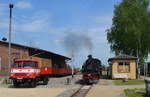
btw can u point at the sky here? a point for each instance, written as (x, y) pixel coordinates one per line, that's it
(45, 24)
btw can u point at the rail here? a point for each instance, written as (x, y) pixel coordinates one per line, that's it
(82, 91)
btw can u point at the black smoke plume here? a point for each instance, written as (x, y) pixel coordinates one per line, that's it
(75, 43)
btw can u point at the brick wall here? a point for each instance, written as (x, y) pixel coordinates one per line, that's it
(16, 52)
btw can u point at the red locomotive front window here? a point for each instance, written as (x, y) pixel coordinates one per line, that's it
(24, 64)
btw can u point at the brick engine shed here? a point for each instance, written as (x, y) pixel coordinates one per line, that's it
(25, 52)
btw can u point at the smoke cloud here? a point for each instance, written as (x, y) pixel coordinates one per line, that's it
(75, 43)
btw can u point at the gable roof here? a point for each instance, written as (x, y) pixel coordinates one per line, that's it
(28, 47)
(123, 57)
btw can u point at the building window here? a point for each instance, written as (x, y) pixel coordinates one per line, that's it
(124, 67)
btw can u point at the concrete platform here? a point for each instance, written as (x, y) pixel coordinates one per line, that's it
(32, 92)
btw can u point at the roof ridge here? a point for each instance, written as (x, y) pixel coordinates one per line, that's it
(122, 56)
(17, 44)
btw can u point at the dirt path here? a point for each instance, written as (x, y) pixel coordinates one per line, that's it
(105, 88)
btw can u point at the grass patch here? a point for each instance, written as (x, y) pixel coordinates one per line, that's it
(135, 93)
(130, 82)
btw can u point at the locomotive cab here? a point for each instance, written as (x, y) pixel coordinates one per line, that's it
(24, 69)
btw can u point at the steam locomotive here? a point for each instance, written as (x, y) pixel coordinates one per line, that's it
(91, 70)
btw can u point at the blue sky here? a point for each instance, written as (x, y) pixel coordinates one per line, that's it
(45, 23)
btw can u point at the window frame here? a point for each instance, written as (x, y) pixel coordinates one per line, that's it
(124, 64)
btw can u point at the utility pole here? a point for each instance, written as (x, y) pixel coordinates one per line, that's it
(10, 31)
(72, 63)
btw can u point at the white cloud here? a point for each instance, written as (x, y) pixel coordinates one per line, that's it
(23, 5)
(97, 29)
(103, 19)
(58, 41)
(98, 34)
(38, 22)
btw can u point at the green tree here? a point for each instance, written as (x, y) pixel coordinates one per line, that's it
(130, 31)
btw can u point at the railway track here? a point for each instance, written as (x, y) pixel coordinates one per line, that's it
(83, 90)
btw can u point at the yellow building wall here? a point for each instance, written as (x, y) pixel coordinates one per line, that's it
(130, 75)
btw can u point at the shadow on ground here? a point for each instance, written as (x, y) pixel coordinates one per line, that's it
(83, 82)
(105, 77)
(25, 85)
(143, 94)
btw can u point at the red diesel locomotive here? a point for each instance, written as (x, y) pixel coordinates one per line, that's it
(31, 71)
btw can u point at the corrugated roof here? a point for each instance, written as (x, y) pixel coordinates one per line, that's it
(122, 57)
(36, 49)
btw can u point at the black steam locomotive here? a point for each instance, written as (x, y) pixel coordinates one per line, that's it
(91, 70)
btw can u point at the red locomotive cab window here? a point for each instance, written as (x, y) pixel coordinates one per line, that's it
(25, 64)
(36, 64)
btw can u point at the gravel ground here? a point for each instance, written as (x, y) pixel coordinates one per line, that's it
(62, 82)
(30, 92)
(55, 82)
(57, 87)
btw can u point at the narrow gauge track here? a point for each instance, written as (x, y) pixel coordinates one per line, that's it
(82, 91)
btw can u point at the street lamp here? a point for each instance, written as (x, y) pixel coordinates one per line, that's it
(10, 30)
